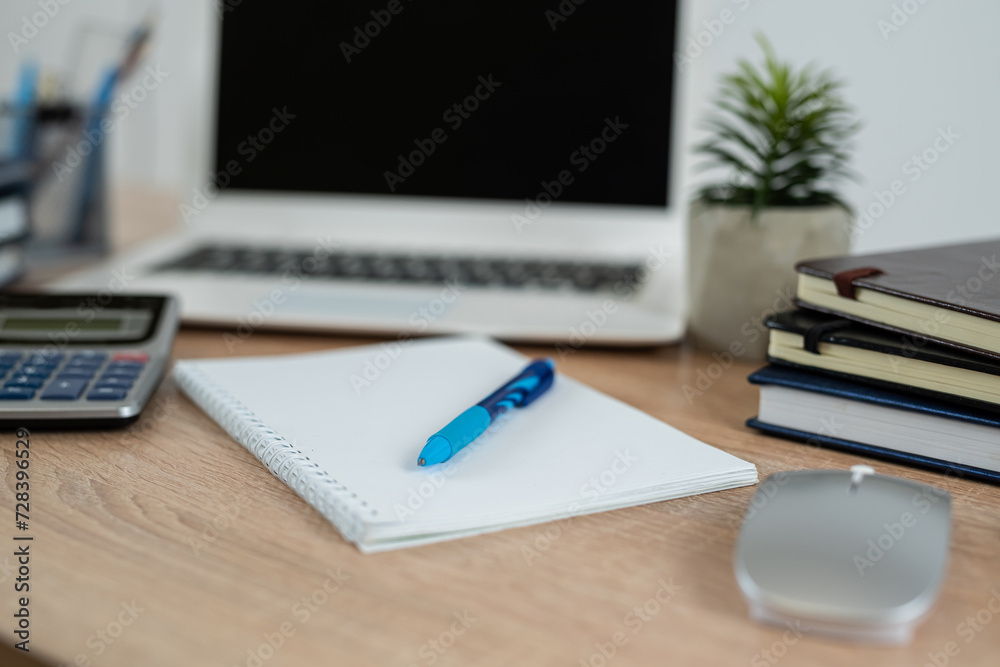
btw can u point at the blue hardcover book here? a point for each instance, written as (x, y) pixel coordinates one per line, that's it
(870, 420)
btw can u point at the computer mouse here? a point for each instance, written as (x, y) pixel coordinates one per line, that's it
(849, 554)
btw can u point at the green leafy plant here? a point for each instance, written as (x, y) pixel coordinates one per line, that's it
(783, 134)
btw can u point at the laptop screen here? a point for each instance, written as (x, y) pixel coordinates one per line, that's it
(484, 100)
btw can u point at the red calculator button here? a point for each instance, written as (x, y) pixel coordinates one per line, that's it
(131, 356)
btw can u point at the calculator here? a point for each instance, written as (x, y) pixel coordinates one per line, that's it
(82, 360)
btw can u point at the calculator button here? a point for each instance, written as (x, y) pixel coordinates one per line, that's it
(106, 394)
(30, 381)
(122, 382)
(40, 359)
(126, 364)
(64, 390)
(121, 372)
(76, 372)
(16, 393)
(35, 371)
(141, 357)
(84, 362)
(89, 355)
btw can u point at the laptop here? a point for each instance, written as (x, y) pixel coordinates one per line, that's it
(514, 169)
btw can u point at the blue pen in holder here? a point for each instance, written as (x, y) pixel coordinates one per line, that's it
(64, 145)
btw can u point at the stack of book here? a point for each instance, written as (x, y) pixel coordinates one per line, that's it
(893, 355)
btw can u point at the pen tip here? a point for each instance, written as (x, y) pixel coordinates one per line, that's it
(421, 462)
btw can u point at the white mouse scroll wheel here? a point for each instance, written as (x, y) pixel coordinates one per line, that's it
(858, 473)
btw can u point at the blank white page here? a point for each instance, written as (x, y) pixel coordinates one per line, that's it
(574, 450)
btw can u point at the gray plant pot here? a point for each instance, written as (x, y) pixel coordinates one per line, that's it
(743, 270)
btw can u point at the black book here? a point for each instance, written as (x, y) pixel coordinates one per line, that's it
(895, 361)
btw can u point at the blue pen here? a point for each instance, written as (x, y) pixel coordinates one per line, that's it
(521, 391)
(24, 111)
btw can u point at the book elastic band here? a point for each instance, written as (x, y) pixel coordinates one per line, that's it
(845, 280)
(810, 341)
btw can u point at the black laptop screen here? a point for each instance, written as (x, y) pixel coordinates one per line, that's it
(496, 100)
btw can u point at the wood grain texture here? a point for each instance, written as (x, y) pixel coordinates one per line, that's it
(175, 518)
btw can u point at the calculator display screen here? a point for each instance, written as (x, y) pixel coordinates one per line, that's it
(60, 324)
(79, 325)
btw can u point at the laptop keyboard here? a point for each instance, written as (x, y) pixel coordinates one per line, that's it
(406, 268)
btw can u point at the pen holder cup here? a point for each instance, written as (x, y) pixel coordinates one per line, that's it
(66, 148)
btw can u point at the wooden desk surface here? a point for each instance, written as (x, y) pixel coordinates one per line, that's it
(169, 544)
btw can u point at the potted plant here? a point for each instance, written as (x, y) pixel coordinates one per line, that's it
(783, 138)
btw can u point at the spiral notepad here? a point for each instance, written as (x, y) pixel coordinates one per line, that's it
(343, 429)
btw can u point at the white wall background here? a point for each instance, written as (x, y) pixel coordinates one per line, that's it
(161, 141)
(940, 69)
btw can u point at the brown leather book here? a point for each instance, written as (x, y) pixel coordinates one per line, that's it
(948, 294)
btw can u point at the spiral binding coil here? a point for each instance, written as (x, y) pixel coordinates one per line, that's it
(314, 485)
